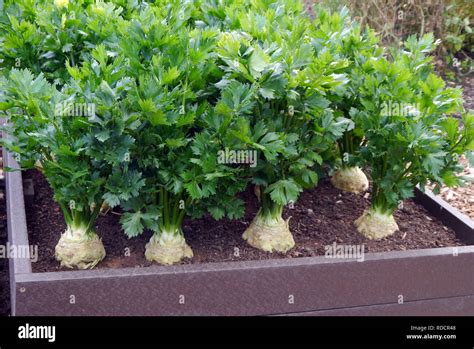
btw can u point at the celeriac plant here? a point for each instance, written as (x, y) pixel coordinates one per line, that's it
(45, 36)
(177, 146)
(410, 137)
(81, 137)
(358, 48)
(273, 70)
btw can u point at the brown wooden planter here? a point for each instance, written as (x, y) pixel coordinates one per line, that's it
(419, 282)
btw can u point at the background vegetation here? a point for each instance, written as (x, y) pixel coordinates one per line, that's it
(394, 20)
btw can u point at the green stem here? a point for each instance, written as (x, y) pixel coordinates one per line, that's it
(73, 61)
(66, 214)
(269, 210)
(379, 201)
(162, 199)
(175, 208)
(82, 220)
(76, 218)
(166, 210)
(404, 173)
(351, 143)
(340, 146)
(346, 146)
(457, 143)
(346, 142)
(180, 219)
(172, 215)
(93, 217)
(182, 213)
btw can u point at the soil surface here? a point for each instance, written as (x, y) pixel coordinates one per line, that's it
(321, 217)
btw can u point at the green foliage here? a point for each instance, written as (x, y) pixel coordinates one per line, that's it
(173, 84)
(337, 36)
(449, 20)
(277, 81)
(410, 138)
(81, 151)
(174, 73)
(43, 37)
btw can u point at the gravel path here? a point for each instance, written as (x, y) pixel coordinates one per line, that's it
(463, 197)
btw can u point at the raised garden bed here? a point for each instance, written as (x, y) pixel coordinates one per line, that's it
(144, 128)
(434, 281)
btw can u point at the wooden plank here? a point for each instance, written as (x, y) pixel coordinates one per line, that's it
(453, 306)
(253, 288)
(16, 223)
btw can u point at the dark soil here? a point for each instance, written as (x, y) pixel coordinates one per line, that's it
(321, 217)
